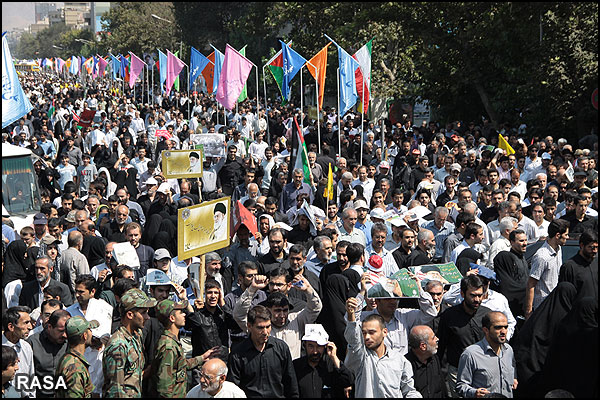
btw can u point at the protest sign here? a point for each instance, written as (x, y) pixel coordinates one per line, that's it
(182, 163)
(213, 144)
(203, 228)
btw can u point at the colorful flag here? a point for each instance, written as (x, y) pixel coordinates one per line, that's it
(348, 92)
(94, 67)
(197, 64)
(162, 133)
(162, 58)
(244, 94)
(209, 72)
(75, 116)
(137, 66)
(101, 66)
(176, 83)
(234, 74)
(116, 66)
(292, 63)
(302, 155)
(503, 144)
(363, 74)
(51, 110)
(86, 117)
(328, 193)
(219, 58)
(320, 63)
(14, 102)
(275, 65)
(75, 65)
(89, 64)
(174, 67)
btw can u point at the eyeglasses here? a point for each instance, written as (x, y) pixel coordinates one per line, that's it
(208, 377)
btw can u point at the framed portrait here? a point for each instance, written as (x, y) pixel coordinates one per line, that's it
(203, 228)
(182, 163)
(213, 144)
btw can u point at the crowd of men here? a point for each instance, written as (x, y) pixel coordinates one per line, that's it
(286, 311)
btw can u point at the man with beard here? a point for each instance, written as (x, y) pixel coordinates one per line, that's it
(380, 371)
(487, 366)
(321, 376)
(512, 270)
(460, 326)
(426, 366)
(49, 346)
(425, 249)
(195, 165)
(581, 270)
(231, 173)
(213, 383)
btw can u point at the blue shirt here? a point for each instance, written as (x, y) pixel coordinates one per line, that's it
(440, 235)
(289, 195)
(8, 233)
(48, 147)
(366, 228)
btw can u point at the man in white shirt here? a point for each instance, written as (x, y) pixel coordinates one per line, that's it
(257, 148)
(506, 226)
(140, 162)
(545, 266)
(213, 383)
(16, 324)
(367, 183)
(379, 237)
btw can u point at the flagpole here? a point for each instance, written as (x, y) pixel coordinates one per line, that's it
(153, 84)
(257, 102)
(266, 106)
(188, 91)
(339, 117)
(362, 124)
(301, 101)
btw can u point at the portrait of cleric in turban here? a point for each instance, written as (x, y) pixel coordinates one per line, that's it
(195, 164)
(220, 222)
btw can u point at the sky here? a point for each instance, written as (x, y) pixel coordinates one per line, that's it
(20, 14)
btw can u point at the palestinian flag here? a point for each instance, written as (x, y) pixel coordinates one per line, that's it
(51, 110)
(302, 155)
(363, 56)
(275, 65)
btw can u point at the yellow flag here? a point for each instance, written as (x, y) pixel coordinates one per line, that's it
(328, 193)
(503, 144)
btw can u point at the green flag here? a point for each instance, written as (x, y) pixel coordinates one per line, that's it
(176, 83)
(244, 94)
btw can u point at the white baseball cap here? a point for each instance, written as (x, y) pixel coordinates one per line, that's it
(151, 181)
(164, 188)
(376, 213)
(316, 333)
(358, 204)
(161, 254)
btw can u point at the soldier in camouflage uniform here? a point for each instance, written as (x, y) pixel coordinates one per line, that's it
(169, 367)
(73, 366)
(123, 360)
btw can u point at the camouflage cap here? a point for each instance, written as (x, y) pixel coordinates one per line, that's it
(135, 298)
(165, 307)
(77, 325)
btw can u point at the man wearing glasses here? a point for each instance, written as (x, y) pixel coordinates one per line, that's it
(213, 383)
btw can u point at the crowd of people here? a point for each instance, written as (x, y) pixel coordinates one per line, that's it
(285, 310)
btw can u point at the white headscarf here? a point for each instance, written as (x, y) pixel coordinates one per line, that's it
(111, 187)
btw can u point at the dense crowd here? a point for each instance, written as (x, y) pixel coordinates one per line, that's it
(286, 311)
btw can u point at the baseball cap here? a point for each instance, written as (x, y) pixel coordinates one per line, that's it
(315, 333)
(384, 164)
(358, 204)
(375, 263)
(546, 156)
(161, 254)
(580, 173)
(165, 307)
(416, 151)
(77, 325)
(164, 188)
(376, 213)
(136, 298)
(455, 167)
(49, 239)
(71, 216)
(40, 219)
(156, 277)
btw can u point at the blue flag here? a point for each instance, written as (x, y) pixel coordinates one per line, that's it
(197, 64)
(219, 58)
(162, 65)
(14, 102)
(74, 68)
(81, 61)
(124, 65)
(348, 92)
(292, 62)
(116, 66)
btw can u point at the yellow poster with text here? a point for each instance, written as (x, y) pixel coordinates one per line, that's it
(203, 228)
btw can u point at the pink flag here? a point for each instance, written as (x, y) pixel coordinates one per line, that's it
(234, 72)
(137, 66)
(174, 67)
(101, 66)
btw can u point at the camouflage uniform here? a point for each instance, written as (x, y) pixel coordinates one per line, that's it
(73, 366)
(75, 369)
(169, 367)
(123, 360)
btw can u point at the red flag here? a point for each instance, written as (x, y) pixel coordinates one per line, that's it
(86, 117)
(242, 215)
(75, 116)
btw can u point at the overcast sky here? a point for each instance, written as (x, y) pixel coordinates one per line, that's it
(20, 14)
